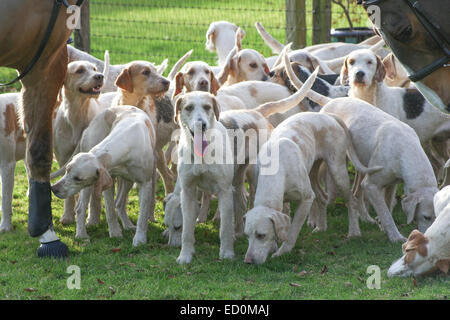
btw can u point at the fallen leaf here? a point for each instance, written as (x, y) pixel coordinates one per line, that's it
(115, 250)
(188, 273)
(360, 279)
(13, 261)
(324, 269)
(331, 253)
(302, 273)
(293, 284)
(414, 282)
(100, 281)
(30, 289)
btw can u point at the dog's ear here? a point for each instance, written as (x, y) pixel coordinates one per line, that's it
(344, 73)
(179, 84)
(409, 206)
(281, 223)
(216, 108)
(266, 67)
(234, 65)
(104, 181)
(443, 265)
(215, 86)
(124, 80)
(389, 66)
(177, 108)
(380, 73)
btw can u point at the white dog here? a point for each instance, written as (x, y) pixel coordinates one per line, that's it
(428, 252)
(382, 140)
(12, 146)
(126, 150)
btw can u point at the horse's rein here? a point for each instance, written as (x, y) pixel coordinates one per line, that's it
(54, 16)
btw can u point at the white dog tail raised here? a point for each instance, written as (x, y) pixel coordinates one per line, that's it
(106, 67)
(273, 44)
(176, 67)
(288, 103)
(314, 96)
(351, 149)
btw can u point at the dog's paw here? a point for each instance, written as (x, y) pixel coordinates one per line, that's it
(115, 233)
(81, 234)
(139, 239)
(282, 250)
(5, 228)
(184, 258)
(92, 222)
(226, 254)
(65, 220)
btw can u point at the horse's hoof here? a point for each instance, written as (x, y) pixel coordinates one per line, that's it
(54, 249)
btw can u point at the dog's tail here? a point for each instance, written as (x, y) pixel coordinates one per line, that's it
(351, 149)
(273, 44)
(314, 96)
(163, 66)
(106, 67)
(288, 103)
(178, 65)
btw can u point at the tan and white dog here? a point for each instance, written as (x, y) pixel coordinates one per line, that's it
(12, 146)
(217, 171)
(126, 150)
(78, 107)
(430, 251)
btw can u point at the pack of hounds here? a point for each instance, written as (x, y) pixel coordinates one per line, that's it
(313, 111)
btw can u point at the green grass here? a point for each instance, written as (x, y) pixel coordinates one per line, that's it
(151, 272)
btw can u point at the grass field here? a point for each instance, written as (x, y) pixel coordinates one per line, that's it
(323, 265)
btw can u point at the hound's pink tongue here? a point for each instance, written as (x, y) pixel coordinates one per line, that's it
(200, 144)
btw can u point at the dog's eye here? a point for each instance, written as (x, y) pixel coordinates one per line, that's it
(79, 71)
(428, 218)
(207, 71)
(253, 65)
(191, 72)
(146, 72)
(77, 179)
(352, 62)
(369, 62)
(260, 236)
(207, 107)
(189, 107)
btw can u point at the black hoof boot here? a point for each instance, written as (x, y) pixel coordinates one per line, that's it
(54, 249)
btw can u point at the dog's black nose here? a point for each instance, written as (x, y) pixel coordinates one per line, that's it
(165, 82)
(271, 73)
(360, 74)
(99, 77)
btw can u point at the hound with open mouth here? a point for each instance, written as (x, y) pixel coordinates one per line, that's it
(79, 106)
